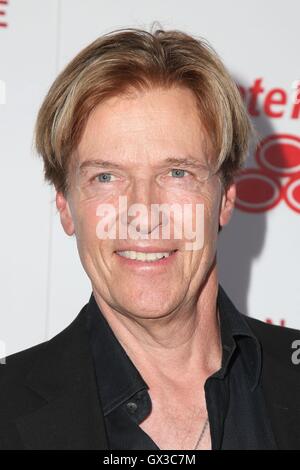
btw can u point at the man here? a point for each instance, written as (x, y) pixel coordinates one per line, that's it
(159, 358)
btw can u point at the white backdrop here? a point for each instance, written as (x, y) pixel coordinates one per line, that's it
(43, 285)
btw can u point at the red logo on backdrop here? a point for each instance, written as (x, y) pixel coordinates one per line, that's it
(276, 179)
(282, 322)
(3, 4)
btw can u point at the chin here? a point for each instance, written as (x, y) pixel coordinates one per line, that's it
(147, 307)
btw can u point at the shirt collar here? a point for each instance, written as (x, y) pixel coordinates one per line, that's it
(118, 378)
(237, 335)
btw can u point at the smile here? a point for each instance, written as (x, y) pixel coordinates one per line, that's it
(143, 256)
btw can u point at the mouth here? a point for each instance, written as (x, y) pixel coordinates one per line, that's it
(145, 256)
(145, 259)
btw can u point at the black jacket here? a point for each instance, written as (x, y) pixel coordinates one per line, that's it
(49, 399)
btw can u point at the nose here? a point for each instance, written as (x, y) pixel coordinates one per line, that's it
(141, 214)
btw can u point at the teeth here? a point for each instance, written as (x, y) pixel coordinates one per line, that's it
(141, 256)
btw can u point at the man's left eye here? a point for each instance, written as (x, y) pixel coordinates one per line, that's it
(178, 173)
(104, 177)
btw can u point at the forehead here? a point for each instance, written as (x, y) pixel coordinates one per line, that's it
(144, 127)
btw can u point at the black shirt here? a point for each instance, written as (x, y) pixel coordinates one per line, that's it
(235, 403)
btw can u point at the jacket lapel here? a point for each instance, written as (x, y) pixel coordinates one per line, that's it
(71, 417)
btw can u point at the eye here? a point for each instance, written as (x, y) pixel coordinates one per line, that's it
(104, 177)
(178, 173)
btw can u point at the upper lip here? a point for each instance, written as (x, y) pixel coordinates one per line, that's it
(146, 249)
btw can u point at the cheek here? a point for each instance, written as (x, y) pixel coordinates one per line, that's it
(211, 228)
(207, 221)
(86, 221)
(207, 233)
(208, 213)
(212, 210)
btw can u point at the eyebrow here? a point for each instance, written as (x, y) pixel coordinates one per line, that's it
(185, 161)
(99, 163)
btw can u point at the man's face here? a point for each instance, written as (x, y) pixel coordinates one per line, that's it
(137, 135)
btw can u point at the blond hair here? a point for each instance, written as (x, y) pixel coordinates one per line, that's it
(127, 58)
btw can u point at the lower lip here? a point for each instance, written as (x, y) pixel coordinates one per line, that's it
(147, 265)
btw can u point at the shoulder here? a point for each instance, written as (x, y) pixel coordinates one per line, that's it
(17, 364)
(277, 342)
(47, 360)
(280, 379)
(15, 367)
(15, 397)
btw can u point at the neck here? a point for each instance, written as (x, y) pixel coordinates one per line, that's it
(176, 346)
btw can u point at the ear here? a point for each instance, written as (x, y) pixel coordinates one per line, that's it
(227, 204)
(65, 213)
